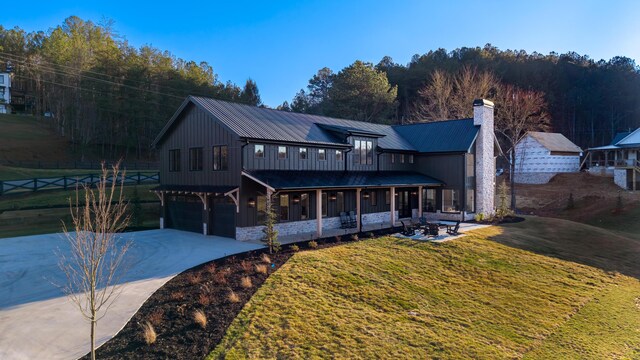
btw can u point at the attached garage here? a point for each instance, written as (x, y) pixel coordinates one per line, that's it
(183, 209)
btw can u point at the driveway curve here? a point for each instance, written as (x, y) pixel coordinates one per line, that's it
(37, 321)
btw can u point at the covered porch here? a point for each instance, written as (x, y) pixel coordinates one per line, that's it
(313, 205)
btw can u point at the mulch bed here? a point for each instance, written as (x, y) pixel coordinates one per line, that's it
(206, 287)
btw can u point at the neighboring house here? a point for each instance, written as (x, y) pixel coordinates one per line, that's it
(5, 92)
(219, 162)
(540, 156)
(619, 159)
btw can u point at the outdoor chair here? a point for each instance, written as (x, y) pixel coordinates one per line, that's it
(453, 230)
(352, 219)
(344, 220)
(423, 221)
(407, 230)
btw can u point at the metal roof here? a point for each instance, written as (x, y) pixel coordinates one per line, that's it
(619, 136)
(440, 136)
(554, 142)
(195, 188)
(253, 122)
(631, 140)
(289, 180)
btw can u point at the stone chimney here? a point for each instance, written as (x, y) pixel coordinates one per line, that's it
(485, 159)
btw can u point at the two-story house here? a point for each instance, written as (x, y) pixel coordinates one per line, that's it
(5, 92)
(219, 162)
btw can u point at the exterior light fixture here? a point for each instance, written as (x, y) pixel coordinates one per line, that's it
(333, 197)
(251, 202)
(296, 199)
(414, 193)
(365, 194)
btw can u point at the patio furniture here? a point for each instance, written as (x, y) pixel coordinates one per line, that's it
(431, 229)
(344, 220)
(407, 230)
(352, 219)
(452, 227)
(423, 221)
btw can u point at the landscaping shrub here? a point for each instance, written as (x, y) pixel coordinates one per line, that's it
(210, 268)
(265, 259)
(338, 238)
(370, 235)
(177, 296)
(220, 277)
(294, 248)
(262, 269)
(313, 244)
(479, 217)
(246, 282)
(200, 318)
(246, 266)
(194, 278)
(155, 318)
(204, 299)
(354, 237)
(148, 333)
(233, 297)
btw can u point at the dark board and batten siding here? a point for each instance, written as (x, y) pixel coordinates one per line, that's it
(195, 128)
(270, 160)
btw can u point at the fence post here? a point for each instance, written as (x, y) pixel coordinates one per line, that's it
(35, 184)
(138, 177)
(64, 181)
(91, 180)
(1, 187)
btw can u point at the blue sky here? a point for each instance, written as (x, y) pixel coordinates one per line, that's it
(281, 44)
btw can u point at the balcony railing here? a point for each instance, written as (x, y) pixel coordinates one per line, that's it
(615, 163)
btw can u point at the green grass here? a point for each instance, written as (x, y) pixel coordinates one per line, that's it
(469, 298)
(22, 127)
(627, 221)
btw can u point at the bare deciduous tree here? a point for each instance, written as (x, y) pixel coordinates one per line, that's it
(448, 96)
(95, 262)
(518, 111)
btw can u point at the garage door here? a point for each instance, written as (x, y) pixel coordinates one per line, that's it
(184, 213)
(223, 220)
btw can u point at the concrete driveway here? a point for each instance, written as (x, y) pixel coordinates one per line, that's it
(38, 322)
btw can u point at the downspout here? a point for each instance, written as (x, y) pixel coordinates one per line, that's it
(246, 142)
(378, 153)
(346, 140)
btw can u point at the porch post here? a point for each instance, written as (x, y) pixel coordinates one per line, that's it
(162, 210)
(319, 212)
(419, 201)
(606, 158)
(205, 219)
(358, 215)
(393, 206)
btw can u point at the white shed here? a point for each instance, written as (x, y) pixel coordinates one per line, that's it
(540, 156)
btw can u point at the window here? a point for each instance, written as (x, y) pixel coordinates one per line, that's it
(373, 198)
(340, 201)
(258, 150)
(303, 153)
(429, 200)
(363, 153)
(174, 160)
(450, 200)
(261, 208)
(1, 79)
(469, 205)
(325, 204)
(220, 158)
(411, 159)
(195, 159)
(393, 158)
(339, 155)
(322, 154)
(387, 197)
(282, 152)
(401, 158)
(284, 207)
(304, 206)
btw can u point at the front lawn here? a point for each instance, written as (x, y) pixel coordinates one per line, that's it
(468, 298)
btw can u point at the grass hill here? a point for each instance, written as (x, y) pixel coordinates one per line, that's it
(480, 296)
(29, 138)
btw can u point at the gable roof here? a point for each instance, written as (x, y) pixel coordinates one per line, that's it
(440, 136)
(555, 142)
(251, 122)
(619, 136)
(631, 140)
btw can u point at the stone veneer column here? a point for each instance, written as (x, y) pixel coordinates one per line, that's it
(319, 212)
(392, 216)
(485, 159)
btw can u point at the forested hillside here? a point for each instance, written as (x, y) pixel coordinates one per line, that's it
(106, 96)
(587, 100)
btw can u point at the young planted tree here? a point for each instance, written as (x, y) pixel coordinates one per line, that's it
(270, 233)
(95, 262)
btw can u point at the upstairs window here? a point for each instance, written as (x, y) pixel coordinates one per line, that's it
(363, 153)
(220, 158)
(339, 155)
(174, 160)
(258, 150)
(322, 155)
(303, 153)
(195, 159)
(282, 152)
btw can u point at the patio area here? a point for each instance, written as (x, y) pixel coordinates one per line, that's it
(443, 235)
